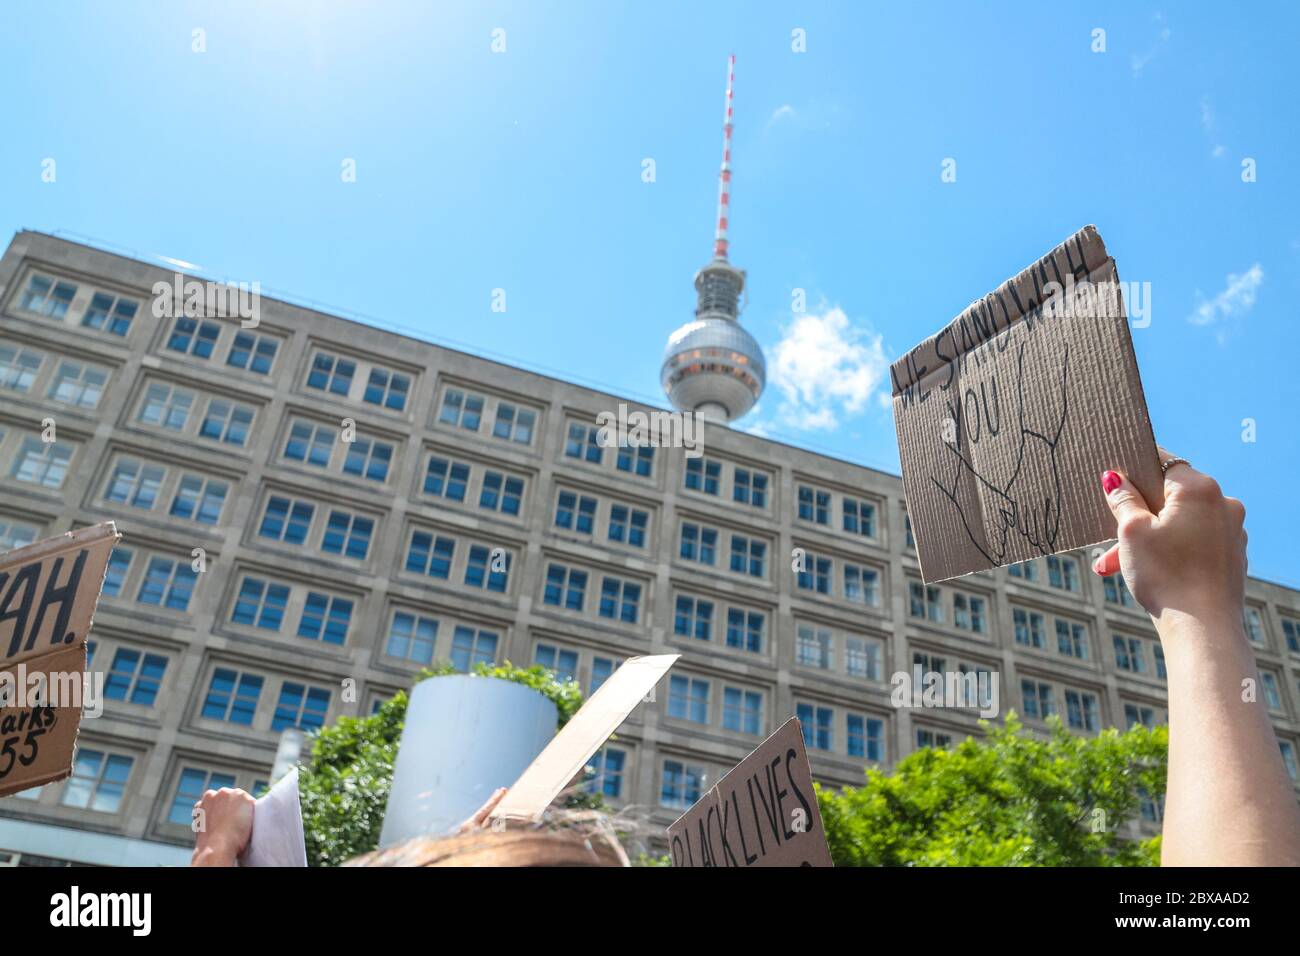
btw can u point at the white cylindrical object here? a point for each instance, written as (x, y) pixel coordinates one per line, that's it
(464, 737)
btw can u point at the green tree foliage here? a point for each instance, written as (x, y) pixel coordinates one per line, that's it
(1012, 799)
(344, 785)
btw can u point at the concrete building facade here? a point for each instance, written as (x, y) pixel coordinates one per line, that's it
(359, 504)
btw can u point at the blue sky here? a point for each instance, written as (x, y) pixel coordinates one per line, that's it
(522, 170)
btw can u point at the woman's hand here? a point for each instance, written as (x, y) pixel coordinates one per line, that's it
(225, 825)
(1190, 558)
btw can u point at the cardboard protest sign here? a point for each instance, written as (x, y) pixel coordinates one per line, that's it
(568, 752)
(1007, 417)
(48, 592)
(762, 813)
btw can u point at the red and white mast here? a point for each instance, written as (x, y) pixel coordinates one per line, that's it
(724, 176)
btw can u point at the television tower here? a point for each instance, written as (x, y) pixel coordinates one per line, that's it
(713, 365)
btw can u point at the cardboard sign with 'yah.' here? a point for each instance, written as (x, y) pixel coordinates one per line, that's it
(1008, 416)
(48, 592)
(763, 813)
(568, 752)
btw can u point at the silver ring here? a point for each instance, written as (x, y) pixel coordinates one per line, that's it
(1166, 465)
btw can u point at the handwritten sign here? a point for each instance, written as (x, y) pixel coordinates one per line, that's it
(568, 752)
(48, 592)
(1007, 417)
(763, 813)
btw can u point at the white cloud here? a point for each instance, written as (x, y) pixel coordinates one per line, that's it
(1237, 298)
(825, 367)
(783, 112)
(1139, 61)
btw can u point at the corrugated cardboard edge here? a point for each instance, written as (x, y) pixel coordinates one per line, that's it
(39, 551)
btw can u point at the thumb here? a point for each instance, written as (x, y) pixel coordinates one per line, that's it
(1126, 502)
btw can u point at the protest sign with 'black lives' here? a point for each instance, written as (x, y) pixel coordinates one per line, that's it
(763, 813)
(48, 592)
(1007, 418)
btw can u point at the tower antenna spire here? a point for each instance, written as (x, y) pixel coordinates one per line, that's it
(724, 175)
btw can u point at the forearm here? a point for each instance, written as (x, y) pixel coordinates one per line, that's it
(208, 855)
(1229, 801)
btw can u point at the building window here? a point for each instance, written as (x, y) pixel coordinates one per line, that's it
(1128, 654)
(814, 505)
(135, 484)
(1272, 693)
(628, 525)
(42, 463)
(565, 587)
(1288, 758)
(1135, 716)
(463, 409)
(1117, 591)
(168, 584)
(514, 424)
(745, 629)
(470, 646)
(286, 520)
(907, 530)
(256, 353)
(1063, 572)
(575, 513)
(816, 723)
(112, 314)
(694, 618)
(412, 637)
(815, 574)
(260, 604)
(325, 617)
(347, 534)
(968, 613)
(637, 459)
(749, 488)
(135, 677)
(1028, 628)
(387, 389)
(446, 479)
(748, 556)
(430, 555)
(688, 699)
(861, 585)
(301, 707)
(227, 422)
(925, 602)
(1081, 710)
(1254, 626)
(14, 534)
(481, 569)
(77, 384)
(18, 368)
(310, 444)
(605, 772)
(193, 337)
(583, 443)
(682, 785)
(1072, 639)
(862, 658)
(369, 459)
(702, 475)
(1291, 631)
(932, 738)
(813, 646)
(742, 711)
(1159, 654)
(620, 600)
(1040, 702)
(119, 562)
(1025, 570)
(501, 493)
(562, 662)
(331, 373)
(189, 791)
(232, 696)
(699, 544)
(166, 406)
(602, 668)
(866, 737)
(860, 517)
(98, 781)
(199, 499)
(45, 296)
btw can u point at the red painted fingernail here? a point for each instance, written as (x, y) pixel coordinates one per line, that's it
(1110, 481)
